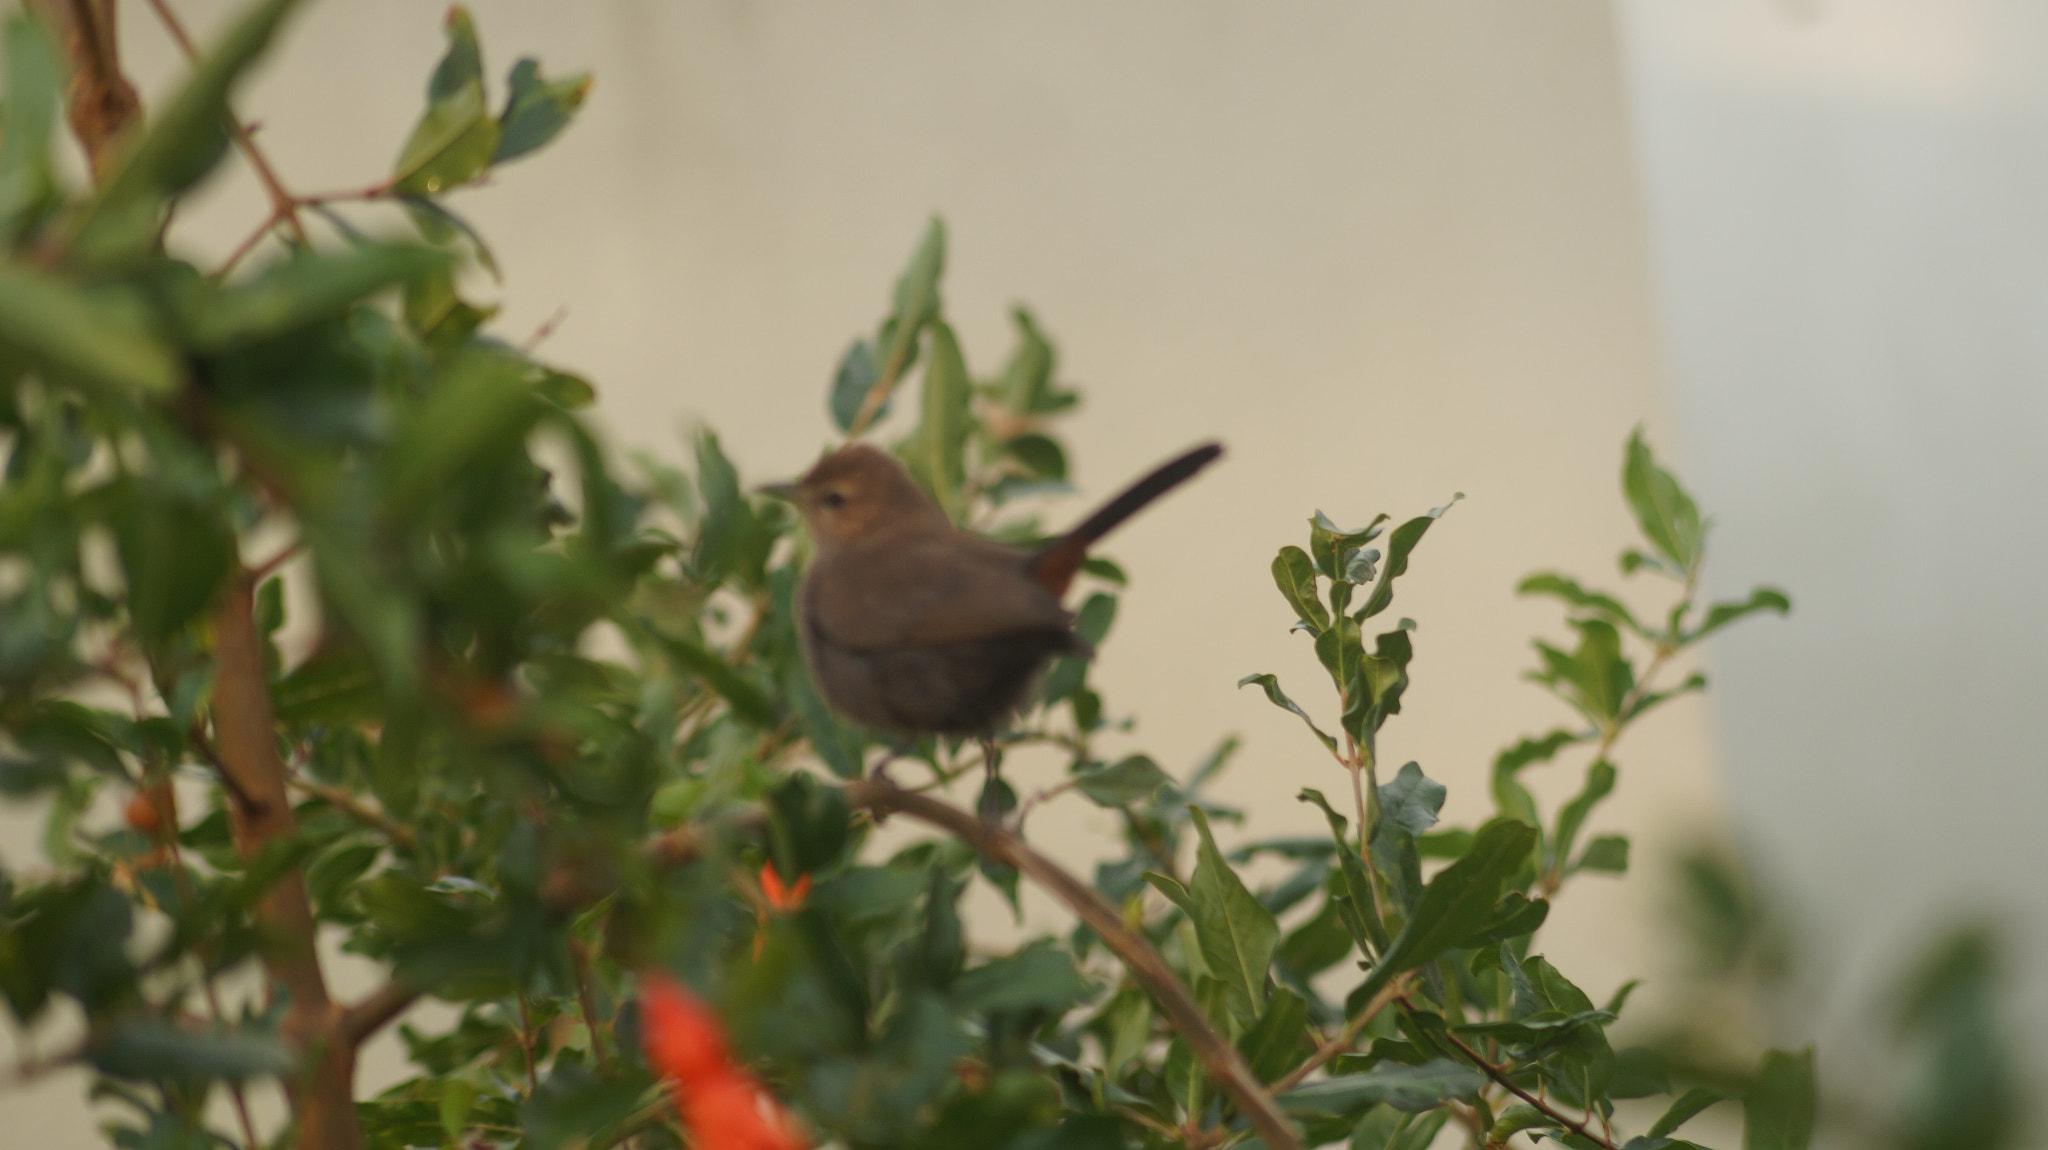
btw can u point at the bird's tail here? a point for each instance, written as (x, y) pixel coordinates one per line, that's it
(1055, 565)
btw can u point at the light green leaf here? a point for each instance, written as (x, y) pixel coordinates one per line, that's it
(1721, 614)
(1600, 777)
(304, 288)
(34, 80)
(456, 136)
(1607, 853)
(1667, 515)
(97, 339)
(1236, 932)
(1130, 780)
(1778, 1110)
(937, 451)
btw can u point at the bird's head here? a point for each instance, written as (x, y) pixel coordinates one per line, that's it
(858, 493)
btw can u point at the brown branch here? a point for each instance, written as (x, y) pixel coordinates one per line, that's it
(1218, 1058)
(100, 102)
(1499, 1074)
(282, 205)
(260, 813)
(374, 1012)
(401, 836)
(1345, 1038)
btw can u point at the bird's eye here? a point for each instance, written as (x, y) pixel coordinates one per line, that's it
(833, 499)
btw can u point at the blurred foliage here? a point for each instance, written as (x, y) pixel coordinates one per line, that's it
(549, 727)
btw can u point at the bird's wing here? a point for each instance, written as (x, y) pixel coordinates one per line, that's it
(927, 591)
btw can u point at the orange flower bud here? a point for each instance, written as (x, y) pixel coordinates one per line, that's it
(781, 897)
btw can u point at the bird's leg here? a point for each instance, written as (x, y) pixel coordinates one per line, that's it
(997, 799)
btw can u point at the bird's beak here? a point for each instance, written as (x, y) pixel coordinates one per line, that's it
(784, 491)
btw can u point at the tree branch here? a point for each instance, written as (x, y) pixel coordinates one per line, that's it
(1218, 1058)
(99, 102)
(260, 813)
(1500, 1075)
(374, 1012)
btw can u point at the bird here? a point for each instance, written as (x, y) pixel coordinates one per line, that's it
(915, 627)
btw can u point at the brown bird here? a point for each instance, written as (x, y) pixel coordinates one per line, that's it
(912, 625)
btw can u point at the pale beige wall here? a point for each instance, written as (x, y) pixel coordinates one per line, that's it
(1386, 250)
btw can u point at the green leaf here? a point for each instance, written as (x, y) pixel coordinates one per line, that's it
(1271, 685)
(1329, 544)
(98, 339)
(1567, 590)
(1399, 546)
(851, 383)
(1721, 614)
(1681, 1111)
(1411, 1088)
(1237, 934)
(1280, 1039)
(1607, 853)
(1458, 902)
(1600, 777)
(34, 80)
(573, 1105)
(439, 225)
(151, 1048)
(748, 702)
(1173, 890)
(937, 451)
(1039, 977)
(456, 136)
(174, 554)
(183, 141)
(1026, 385)
(1516, 916)
(536, 109)
(1594, 678)
(1295, 574)
(305, 289)
(1411, 801)
(1132, 779)
(1518, 1118)
(1668, 518)
(1091, 626)
(480, 405)
(1513, 799)
(1778, 1109)
(916, 304)
(1364, 918)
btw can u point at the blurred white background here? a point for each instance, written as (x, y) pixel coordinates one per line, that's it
(1387, 251)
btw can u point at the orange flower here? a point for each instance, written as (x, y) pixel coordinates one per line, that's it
(722, 1106)
(780, 897)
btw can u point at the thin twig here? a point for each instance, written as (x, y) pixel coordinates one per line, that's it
(1217, 1057)
(400, 835)
(1345, 1038)
(282, 205)
(1500, 1075)
(586, 999)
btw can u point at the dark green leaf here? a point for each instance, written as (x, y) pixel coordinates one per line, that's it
(1778, 1110)
(1402, 1087)
(1295, 575)
(1721, 614)
(151, 1048)
(479, 406)
(1691, 1103)
(1271, 685)
(1516, 916)
(1364, 917)
(1280, 1039)
(174, 554)
(1458, 902)
(536, 109)
(1328, 543)
(574, 1105)
(851, 383)
(1039, 977)
(748, 701)
(1399, 546)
